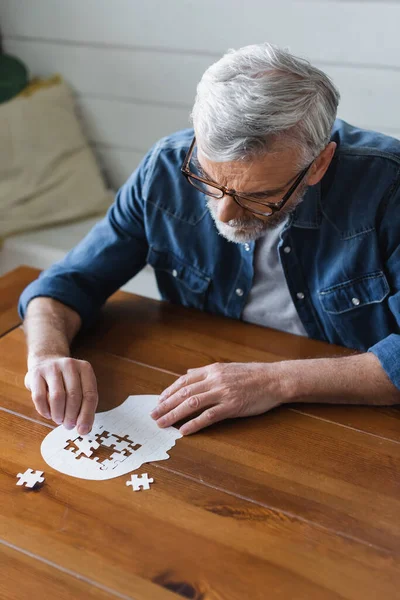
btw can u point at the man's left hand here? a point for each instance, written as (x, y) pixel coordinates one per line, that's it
(220, 391)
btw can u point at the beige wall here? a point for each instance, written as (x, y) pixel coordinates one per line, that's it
(134, 65)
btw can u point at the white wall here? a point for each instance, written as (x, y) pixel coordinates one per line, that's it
(135, 64)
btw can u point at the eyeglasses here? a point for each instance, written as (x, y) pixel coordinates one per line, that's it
(210, 188)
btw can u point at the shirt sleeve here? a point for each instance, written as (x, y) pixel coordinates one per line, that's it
(388, 349)
(113, 252)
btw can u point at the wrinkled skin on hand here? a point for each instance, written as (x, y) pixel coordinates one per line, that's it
(64, 389)
(220, 391)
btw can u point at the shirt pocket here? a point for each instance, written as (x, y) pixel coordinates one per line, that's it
(355, 308)
(355, 294)
(177, 280)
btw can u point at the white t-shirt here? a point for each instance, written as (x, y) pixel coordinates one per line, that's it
(270, 303)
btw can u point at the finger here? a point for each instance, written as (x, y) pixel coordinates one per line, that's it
(208, 417)
(187, 408)
(27, 381)
(180, 396)
(73, 393)
(38, 389)
(180, 383)
(90, 399)
(55, 395)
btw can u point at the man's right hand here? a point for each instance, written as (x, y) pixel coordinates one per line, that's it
(63, 389)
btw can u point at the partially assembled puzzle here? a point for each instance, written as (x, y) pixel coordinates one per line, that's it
(121, 440)
(115, 449)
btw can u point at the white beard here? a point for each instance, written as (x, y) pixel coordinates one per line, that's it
(241, 231)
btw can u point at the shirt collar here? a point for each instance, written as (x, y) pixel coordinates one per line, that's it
(308, 214)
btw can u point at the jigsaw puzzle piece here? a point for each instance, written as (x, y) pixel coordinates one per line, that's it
(115, 459)
(109, 441)
(84, 459)
(122, 446)
(140, 482)
(30, 478)
(84, 445)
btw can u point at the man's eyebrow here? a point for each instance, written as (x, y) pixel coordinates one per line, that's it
(270, 192)
(264, 193)
(273, 191)
(201, 170)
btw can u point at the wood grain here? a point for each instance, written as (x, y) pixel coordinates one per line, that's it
(183, 531)
(140, 329)
(289, 463)
(383, 421)
(302, 503)
(23, 576)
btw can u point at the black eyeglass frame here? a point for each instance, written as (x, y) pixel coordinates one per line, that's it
(272, 206)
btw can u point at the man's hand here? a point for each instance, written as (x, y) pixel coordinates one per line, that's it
(65, 390)
(220, 391)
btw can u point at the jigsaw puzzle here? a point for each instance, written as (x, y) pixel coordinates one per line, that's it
(115, 449)
(121, 440)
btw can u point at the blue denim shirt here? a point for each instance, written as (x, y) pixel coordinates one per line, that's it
(343, 271)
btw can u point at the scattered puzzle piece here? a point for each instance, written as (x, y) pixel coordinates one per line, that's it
(30, 478)
(140, 482)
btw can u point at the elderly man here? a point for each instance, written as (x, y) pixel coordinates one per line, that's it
(270, 211)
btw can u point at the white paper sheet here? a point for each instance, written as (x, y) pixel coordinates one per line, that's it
(123, 439)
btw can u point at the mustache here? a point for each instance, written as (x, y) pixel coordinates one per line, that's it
(251, 223)
(245, 223)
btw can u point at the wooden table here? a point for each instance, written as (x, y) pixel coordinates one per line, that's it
(300, 503)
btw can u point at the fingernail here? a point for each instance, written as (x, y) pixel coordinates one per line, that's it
(83, 429)
(154, 414)
(69, 425)
(59, 421)
(161, 422)
(48, 416)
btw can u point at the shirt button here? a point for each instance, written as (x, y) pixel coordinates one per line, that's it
(300, 295)
(175, 273)
(287, 249)
(247, 247)
(239, 292)
(355, 301)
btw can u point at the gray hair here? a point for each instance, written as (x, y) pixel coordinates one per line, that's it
(260, 98)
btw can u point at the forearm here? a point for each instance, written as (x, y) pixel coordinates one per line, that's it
(49, 327)
(358, 379)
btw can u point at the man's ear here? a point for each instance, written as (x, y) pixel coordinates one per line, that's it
(321, 164)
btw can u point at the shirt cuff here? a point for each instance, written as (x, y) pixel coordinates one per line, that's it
(75, 299)
(387, 352)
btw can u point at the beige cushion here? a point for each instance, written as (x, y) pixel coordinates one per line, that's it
(48, 173)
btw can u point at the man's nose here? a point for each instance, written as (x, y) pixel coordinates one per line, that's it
(228, 209)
